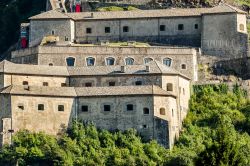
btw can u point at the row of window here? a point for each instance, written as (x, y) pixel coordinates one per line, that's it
(126, 29)
(40, 107)
(44, 84)
(90, 61)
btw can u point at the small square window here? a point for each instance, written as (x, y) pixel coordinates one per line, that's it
(25, 83)
(61, 108)
(88, 84)
(63, 84)
(85, 108)
(40, 107)
(66, 38)
(112, 83)
(107, 29)
(196, 26)
(88, 30)
(162, 27)
(106, 108)
(138, 83)
(145, 126)
(183, 66)
(45, 84)
(20, 107)
(125, 29)
(130, 107)
(180, 27)
(145, 111)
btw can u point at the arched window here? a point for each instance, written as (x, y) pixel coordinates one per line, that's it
(183, 66)
(242, 27)
(146, 111)
(162, 111)
(169, 87)
(167, 61)
(147, 60)
(90, 61)
(70, 61)
(129, 61)
(110, 61)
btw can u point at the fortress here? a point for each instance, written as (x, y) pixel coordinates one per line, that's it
(93, 67)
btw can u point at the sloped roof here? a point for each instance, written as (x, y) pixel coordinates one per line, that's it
(85, 91)
(50, 14)
(12, 68)
(40, 91)
(155, 67)
(178, 12)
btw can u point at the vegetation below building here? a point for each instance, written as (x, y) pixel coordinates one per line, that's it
(216, 132)
(116, 8)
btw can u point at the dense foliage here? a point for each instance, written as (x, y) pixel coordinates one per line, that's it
(12, 13)
(216, 133)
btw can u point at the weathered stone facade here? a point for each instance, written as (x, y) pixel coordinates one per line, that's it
(57, 55)
(211, 29)
(151, 98)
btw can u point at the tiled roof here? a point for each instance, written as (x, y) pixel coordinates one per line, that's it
(222, 8)
(155, 67)
(50, 14)
(85, 91)
(40, 91)
(12, 68)
(121, 91)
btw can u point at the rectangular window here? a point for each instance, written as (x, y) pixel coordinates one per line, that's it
(196, 26)
(88, 84)
(130, 107)
(25, 83)
(52, 32)
(45, 84)
(88, 30)
(112, 83)
(40, 107)
(138, 83)
(106, 108)
(85, 108)
(63, 84)
(107, 29)
(125, 29)
(180, 27)
(61, 108)
(66, 38)
(162, 27)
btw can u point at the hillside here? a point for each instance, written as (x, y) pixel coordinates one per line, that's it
(216, 133)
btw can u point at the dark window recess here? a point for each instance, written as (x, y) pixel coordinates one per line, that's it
(85, 108)
(88, 84)
(138, 83)
(111, 83)
(40, 107)
(90, 61)
(52, 32)
(21, 107)
(61, 108)
(145, 126)
(107, 29)
(169, 87)
(106, 108)
(183, 66)
(130, 107)
(162, 27)
(63, 84)
(66, 38)
(45, 84)
(125, 29)
(50, 64)
(180, 27)
(162, 111)
(196, 26)
(110, 61)
(88, 30)
(145, 111)
(25, 83)
(70, 61)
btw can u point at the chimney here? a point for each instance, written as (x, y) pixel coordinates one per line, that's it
(122, 69)
(26, 87)
(147, 69)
